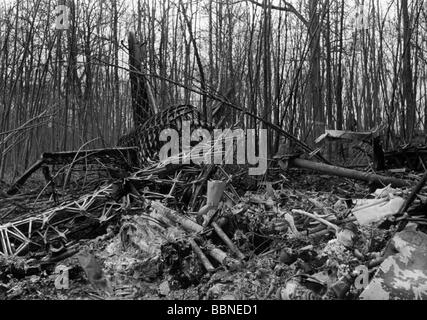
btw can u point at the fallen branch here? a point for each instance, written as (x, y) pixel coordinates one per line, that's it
(223, 258)
(414, 194)
(228, 241)
(410, 200)
(205, 261)
(188, 225)
(192, 227)
(321, 220)
(348, 173)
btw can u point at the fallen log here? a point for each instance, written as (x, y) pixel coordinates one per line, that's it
(348, 173)
(188, 225)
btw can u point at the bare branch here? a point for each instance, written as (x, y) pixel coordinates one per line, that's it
(287, 7)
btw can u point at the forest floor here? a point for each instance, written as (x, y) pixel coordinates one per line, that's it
(299, 237)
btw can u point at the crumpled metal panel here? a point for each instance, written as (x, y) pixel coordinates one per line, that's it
(146, 136)
(402, 276)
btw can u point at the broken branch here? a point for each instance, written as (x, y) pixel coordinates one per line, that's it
(348, 173)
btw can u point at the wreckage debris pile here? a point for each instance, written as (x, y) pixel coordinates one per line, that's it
(187, 233)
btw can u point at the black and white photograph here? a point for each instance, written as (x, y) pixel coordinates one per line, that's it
(213, 155)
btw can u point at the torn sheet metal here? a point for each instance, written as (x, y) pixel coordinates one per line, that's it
(402, 276)
(387, 192)
(378, 210)
(345, 135)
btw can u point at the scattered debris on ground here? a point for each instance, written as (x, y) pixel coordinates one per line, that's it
(303, 236)
(211, 232)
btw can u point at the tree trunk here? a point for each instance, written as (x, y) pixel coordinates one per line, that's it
(314, 89)
(408, 91)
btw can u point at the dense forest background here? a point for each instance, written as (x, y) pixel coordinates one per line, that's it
(306, 65)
